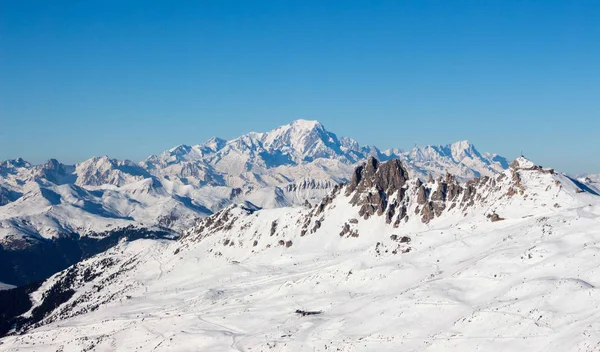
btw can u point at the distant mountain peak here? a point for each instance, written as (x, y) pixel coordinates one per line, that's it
(215, 143)
(180, 149)
(465, 143)
(299, 128)
(305, 140)
(307, 124)
(52, 164)
(103, 170)
(15, 163)
(522, 162)
(464, 149)
(462, 145)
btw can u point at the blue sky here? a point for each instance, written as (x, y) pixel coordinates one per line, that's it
(130, 79)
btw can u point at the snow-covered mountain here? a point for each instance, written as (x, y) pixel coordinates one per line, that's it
(99, 194)
(105, 171)
(59, 214)
(592, 181)
(265, 168)
(460, 158)
(385, 262)
(285, 154)
(295, 164)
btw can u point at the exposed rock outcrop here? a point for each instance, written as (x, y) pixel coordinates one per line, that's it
(373, 183)
(385, 189)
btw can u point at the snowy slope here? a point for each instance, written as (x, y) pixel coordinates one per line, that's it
(4, 286)
(502, 263)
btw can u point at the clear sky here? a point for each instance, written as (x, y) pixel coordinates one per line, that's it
(130, 79)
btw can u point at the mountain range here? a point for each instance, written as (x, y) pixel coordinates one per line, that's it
(271, 169)
(49, 211)
(386, 261)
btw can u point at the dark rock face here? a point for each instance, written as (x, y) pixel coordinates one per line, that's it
(386, 177)
(401, 215)
(234, 193)
(14, 303)
(310, 184)
(30, 260)
(389, 214)
(53, 304)
(316, 227)
(345, 230)
(328, 199)
(7, 196)
(427, 212)
(373, 183)
(273, 227)
(494, 217)
(421, 195)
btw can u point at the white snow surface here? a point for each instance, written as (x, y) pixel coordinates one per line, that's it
(527, 283)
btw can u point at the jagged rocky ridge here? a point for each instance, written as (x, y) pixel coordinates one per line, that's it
(384, 190)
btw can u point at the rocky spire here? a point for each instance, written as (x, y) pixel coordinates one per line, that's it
(373, 183)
